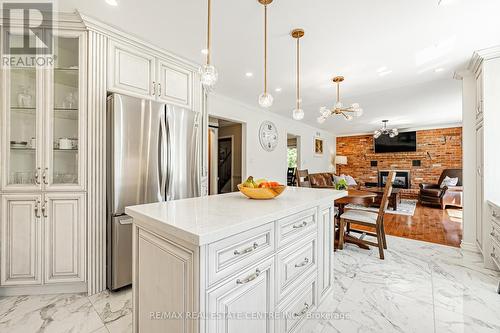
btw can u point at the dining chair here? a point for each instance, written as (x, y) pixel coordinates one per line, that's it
(369, 219)
(303, 178)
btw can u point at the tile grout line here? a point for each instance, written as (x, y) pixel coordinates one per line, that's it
(98, 315)
(433, 300)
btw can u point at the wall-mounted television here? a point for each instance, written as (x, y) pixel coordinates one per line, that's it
(404, 142)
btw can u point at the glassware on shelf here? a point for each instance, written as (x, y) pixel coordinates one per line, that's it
(24, 97)
(22, 177)
(70, 101)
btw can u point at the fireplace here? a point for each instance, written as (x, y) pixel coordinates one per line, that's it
(402, 179)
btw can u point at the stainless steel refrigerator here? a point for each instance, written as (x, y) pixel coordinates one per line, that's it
(153, 155)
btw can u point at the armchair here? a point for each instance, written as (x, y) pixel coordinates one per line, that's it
(446, 196)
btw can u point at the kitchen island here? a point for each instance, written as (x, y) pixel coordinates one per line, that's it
(226, 263)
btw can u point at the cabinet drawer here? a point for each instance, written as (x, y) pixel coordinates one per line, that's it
(495, 215)
(234, 253)
(296, 226)
(294, 310)
(294, 264)
(495, 233)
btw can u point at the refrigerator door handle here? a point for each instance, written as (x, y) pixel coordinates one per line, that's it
(168, 168)
(162, 157)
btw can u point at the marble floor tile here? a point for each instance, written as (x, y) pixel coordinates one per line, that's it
(65, 313)
(419, 287)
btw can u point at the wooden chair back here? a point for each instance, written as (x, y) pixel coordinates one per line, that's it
(385, 198)
(290, 176)
(303, 178)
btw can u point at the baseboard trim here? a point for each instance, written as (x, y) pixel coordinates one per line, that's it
(46, 289)
(471, 247)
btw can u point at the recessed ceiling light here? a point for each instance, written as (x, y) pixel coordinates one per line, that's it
(382, 69)
(440, 69)
(444, 2)
(248, 74)
(277, 89)
(204, 51)
(384, 73)
(112, 2)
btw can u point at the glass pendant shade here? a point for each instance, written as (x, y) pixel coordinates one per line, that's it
(265, 100)
(298, 114)
(321, 119)
(209, 75)
(377, 134)
(358, 112)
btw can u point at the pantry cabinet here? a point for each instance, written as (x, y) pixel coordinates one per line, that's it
(21, 240)
(137, 72)
(42, 233)
(64, 237)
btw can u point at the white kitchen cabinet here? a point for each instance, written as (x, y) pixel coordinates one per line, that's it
(251, 291)
(325, 259)
(56, 220)
(131, 70)
(64, 235)
(175, 84)
(21, 238)
(137, 72)
(44, 115)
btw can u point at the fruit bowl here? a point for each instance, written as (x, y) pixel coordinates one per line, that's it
(262, 193)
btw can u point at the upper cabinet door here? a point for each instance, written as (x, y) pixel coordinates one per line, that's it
(175, 84)
(21, 240)
(65, 106)
(131, 71)
(21, 105)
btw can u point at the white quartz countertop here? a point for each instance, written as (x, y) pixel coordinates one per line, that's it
(205, 220)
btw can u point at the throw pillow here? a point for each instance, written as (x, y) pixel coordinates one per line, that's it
(447, 181)
(350, 181)
(336, 179)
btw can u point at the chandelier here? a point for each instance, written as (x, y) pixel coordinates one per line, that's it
(385, 131)
(348, 112)
(208, 72)
(265, 99)
(298, 113)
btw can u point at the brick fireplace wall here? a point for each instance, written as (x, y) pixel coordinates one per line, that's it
(437, 149)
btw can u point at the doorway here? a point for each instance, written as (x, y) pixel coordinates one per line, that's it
(225, 155)
(293, 157)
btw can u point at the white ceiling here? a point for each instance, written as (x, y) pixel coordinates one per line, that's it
(353, 38)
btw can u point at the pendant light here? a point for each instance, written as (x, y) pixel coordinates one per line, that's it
(208, 72)
(265, 99)
(348, 112)
(298, 113)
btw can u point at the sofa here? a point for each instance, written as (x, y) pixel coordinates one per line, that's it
(325, 180)
(434, 194)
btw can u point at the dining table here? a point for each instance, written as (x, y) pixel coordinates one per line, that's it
(354, 196)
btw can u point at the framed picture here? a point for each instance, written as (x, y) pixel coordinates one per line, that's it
(318, 146)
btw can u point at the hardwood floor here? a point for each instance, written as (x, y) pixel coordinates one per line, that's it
(429, 224)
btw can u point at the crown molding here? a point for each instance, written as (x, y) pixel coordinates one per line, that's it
(478, 57)
(410, 129)
(116, 33)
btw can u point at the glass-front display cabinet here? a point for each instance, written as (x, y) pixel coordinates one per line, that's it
(44, 119)
(64, 123)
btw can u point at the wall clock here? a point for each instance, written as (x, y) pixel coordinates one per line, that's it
(268, 136)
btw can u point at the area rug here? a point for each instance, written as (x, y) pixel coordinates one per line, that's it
(405, 207)
(456, 215)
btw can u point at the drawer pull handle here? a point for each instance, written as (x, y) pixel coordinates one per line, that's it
(247, 250)
(37, 209)
(298, 226)
(249, 278)
(302, 312)
(303, 263)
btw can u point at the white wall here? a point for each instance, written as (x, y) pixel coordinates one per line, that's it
(272, 165)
